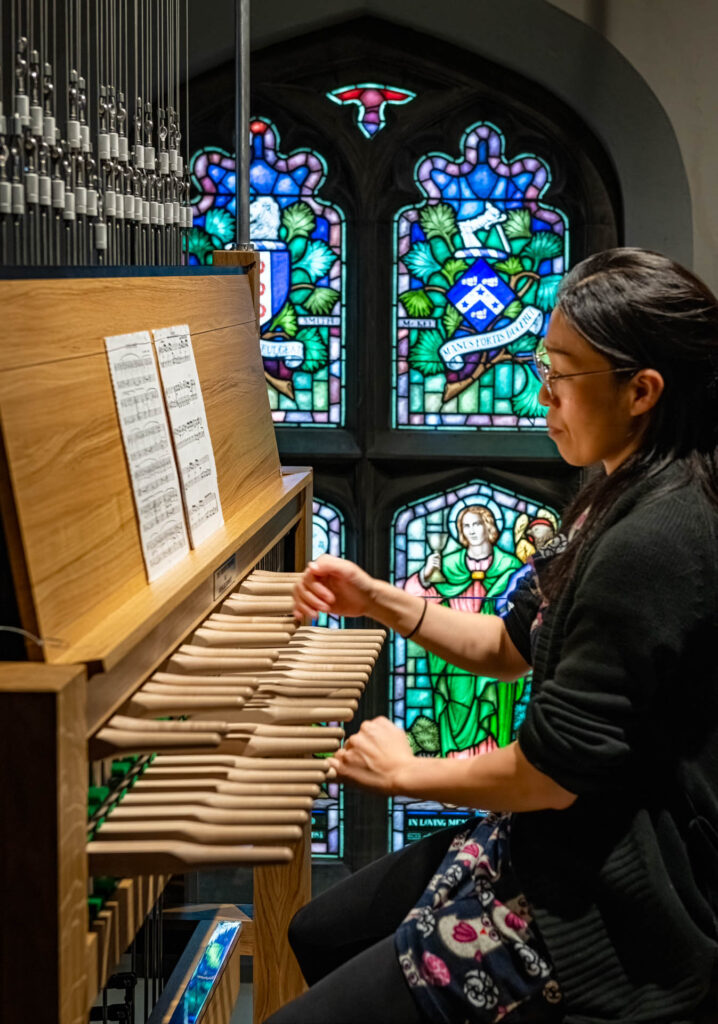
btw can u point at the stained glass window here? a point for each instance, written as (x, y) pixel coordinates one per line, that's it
(477, 266)
(371, 100)
(485, 219)
(300, 238)
(327, 539)
(467, 548)
(328, 809)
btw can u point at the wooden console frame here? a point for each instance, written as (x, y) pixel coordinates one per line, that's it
(69, 518)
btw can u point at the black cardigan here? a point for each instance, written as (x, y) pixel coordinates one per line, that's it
(624, 713)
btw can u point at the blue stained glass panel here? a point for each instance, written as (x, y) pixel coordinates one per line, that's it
(301, 243)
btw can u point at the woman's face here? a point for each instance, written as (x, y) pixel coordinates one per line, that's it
(473, 529)
(589, 418)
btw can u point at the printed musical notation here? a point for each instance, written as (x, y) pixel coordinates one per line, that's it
(174, 350)
(157, 509)
(148, 447)
(140, 405)
(181, 394)
(134, 370)
(197, 470)
(154, 474)
(147, 440)
(190, 432)
(166, 545)
(205, 508)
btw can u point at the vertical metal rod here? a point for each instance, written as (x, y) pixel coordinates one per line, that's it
(71, 62)
(241, 119)
(13, 41)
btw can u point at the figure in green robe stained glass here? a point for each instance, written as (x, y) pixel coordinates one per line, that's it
(467, 548)
(473, 713)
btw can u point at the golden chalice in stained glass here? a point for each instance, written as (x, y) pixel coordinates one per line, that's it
(437, 541)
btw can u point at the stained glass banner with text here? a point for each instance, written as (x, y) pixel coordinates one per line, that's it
(300, 239)
(468, 549)
(477, 264)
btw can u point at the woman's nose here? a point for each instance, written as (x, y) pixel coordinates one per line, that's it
(544, 397)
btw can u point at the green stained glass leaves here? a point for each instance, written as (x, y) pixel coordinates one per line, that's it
(298, 221)
(478, 264)
(424, 354)
(300, 241)
(421, 262)
(315, 260)
(316, 349)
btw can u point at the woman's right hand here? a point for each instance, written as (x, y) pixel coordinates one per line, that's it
(333, 585)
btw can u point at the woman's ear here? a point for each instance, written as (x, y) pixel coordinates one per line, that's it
(646, 388)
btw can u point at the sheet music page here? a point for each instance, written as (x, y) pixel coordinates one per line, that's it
(188, 420)
(148, 447)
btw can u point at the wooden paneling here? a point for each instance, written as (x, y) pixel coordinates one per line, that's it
(109, 689)
(43, 869)
(67, 318)
(67, 471)
(70, 521)
(247, 258)
(279, 892)
(115, 627)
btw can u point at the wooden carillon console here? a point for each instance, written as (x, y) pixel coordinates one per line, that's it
(188, 709)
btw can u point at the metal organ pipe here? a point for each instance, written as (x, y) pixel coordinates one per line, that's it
(241, 124)
(94, 165)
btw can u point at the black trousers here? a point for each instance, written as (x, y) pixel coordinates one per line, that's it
(344, 941)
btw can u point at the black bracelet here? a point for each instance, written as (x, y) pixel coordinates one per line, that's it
(418, 625)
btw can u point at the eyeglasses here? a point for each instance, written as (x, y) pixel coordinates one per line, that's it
(542, 362)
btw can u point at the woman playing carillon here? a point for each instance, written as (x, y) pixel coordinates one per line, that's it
(589, 892)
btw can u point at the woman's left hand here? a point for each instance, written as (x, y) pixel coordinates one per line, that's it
(374, 757)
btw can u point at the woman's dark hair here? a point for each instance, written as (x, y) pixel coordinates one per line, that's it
(641, 309)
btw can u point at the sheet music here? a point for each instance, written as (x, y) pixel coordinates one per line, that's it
(145, 433)
(188, 420)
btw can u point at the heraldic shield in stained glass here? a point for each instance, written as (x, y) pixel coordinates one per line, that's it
(328, 808)
(468, 549)
(477, 267)
(300, 239)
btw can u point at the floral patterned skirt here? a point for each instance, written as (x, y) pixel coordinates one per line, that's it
(467, 949)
